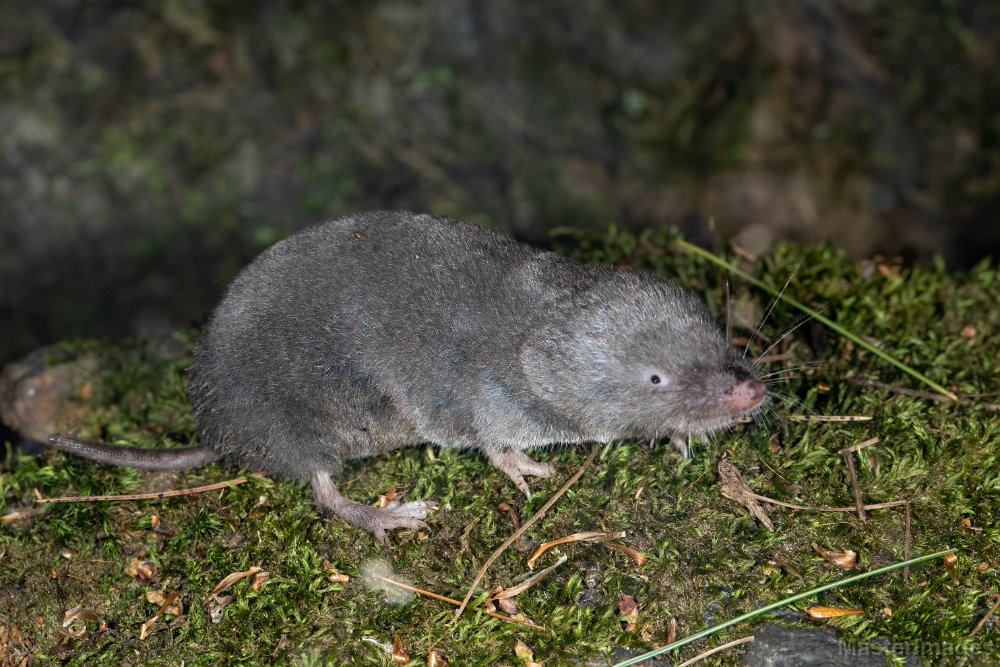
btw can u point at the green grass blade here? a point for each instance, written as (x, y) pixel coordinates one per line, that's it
(781, 603)
(819, 316)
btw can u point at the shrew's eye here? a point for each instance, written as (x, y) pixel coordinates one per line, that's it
(655, 379)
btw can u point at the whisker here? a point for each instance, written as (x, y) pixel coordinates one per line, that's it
(804, 366)
(770, 308)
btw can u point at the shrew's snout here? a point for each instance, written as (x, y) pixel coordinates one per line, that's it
(745, 395)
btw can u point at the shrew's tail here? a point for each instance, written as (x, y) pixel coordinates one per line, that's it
(134, 457)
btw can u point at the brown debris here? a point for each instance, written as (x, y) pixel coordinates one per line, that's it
(821, 612)
(14, 650)
(232, 578)
(637, 557)
(949, 564)
(588, 536)
(217, 606)
(399, 656)
(522, 543)
(844, 559)
(79, 613)
(502, 594)
(20, 514)
(628, 611)
(169, 603)
(143, 570)
(167, 606)
(735, 488)
(527, 524)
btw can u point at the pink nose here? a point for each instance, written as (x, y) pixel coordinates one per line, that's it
(745, 395)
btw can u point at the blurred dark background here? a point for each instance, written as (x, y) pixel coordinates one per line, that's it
(148, 150)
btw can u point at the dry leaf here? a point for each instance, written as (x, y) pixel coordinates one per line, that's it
(232, 578)
(217, 606)
(734, 488)
(169, 603)
(143, 570)
(79, 613)
(845, 558)
(819, 611)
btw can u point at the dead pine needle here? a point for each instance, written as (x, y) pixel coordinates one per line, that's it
(589, 536)
(717, 649)
(158, 495)
(527, 524)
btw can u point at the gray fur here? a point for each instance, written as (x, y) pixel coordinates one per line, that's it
(387, 329)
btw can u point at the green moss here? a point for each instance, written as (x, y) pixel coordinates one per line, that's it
(708, 558)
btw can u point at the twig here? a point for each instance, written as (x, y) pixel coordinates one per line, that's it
(848, 454)
(873, 506)
(442, 598)
(153, 496)
(713, 651)
(858, 502)
(984, 619)
(906, 539)
(20, 514)
(861, 445)
(527, 524)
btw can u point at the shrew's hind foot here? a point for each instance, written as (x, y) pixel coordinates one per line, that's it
(376, 520)
(517, 464)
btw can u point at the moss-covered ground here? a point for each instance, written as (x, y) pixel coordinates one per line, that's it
(708, 559)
